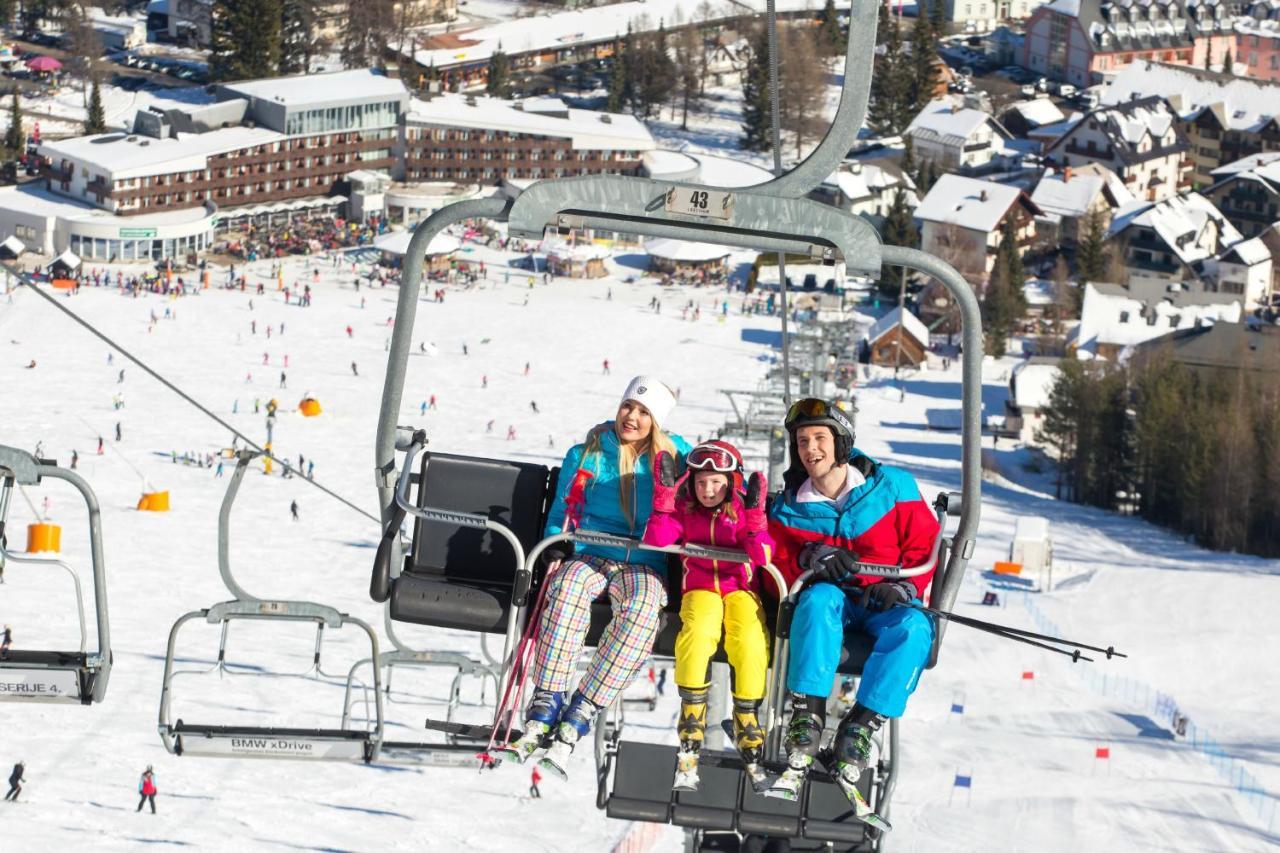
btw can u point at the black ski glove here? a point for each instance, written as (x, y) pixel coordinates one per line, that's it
(827, 562)
(561, 550)
(884, 595)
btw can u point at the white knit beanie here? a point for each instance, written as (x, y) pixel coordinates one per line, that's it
(654, 395)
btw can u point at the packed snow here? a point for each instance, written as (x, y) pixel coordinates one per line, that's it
(1195, 624)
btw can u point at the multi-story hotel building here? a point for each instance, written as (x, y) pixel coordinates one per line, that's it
(269, 150)
(478, 139)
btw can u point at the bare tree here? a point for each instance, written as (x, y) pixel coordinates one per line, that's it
(83, 44)
(690, 61)
(802, 86)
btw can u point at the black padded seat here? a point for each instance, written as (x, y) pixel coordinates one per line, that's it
(462, 577)
(636, 795)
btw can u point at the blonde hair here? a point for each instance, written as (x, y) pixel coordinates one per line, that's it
(657, 442)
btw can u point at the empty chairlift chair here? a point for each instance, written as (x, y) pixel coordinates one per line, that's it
(342, 743)
(65, 676)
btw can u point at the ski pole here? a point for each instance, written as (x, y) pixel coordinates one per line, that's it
(992, 627)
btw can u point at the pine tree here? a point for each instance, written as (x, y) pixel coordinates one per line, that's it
(890, 110)
(908, 165)
(938, 16)
(883, 23)
(97, 119)
(831, 39)
(924, 64)
(297, 21)
(620, 76)
(15, 138)
(1091, 259)
(245, 39)
(1003, 302)
(757, 107)
(1227, 64)
(499, 79)
(899, 229)
(655, 78)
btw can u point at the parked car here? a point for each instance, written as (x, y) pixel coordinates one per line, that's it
(1065, 90)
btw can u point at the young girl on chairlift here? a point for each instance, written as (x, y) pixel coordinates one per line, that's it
(706, 506)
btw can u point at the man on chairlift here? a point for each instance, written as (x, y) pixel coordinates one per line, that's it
(840, 508)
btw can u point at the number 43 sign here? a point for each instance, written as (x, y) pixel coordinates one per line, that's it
(691, 201)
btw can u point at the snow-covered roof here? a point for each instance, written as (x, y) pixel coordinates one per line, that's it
(684, 250)
(397, 243)
(948, 122)
(1038, 292)
(556, 31)
(868, 178)
(910, 322)
(1039, 112)
(1240, 103)
(1031, 381)
(308, 89)
(1250, 252)
(1118, 319)
(587, 129)
(1127, 125)
(14, 245)
(1254, 162)
(1182, 222)
(967, 202)
(120, 155)
(554, 248)
(1073, 196)
(68, 259)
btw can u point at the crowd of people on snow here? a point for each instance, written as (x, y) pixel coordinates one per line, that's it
(322, 234)
(839, 510)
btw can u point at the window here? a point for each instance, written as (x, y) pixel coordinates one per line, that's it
(25, 232)
(1124, 316)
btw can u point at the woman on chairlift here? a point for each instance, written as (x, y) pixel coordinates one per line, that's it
(619, 454)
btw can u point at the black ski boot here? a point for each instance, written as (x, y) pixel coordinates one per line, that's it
(804, 735)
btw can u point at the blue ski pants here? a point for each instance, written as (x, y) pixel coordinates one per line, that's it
(903, 637)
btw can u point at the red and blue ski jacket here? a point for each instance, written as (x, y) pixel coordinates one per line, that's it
(885, 520)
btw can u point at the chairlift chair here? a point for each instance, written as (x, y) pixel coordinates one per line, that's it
(244, 741)
(30, 675)
(466, 586)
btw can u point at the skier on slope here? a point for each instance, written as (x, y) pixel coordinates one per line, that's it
(705, 506)
(147, 789)
(840, 507)
(15, 782)
(6, 640)
(621, 455)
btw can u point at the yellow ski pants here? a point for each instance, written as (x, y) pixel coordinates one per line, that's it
(703, 613)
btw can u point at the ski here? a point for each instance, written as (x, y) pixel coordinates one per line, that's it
(861, 808)
(761, 782)
(787, 786)
(522, 748)
(686, 771)
(468, 731)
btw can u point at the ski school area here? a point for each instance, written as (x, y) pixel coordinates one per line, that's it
(1002, 746)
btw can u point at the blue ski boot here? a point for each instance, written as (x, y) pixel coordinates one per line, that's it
(540, 718)
(574, 725)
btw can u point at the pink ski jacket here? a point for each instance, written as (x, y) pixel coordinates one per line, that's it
(699, 526)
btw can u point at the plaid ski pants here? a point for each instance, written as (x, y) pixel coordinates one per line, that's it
(637, 594)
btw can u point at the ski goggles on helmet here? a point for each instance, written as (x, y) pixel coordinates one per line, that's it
(712, 457)
(813, 409)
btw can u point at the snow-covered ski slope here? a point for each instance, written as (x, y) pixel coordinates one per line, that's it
(1197, 625)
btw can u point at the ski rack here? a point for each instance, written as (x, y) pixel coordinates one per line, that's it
(65, 677)
(775, 216)
(241, 741)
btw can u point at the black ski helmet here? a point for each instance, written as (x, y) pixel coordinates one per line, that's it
(814, 412)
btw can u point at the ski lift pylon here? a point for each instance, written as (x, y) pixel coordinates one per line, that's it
(79, 676)
(243, 741)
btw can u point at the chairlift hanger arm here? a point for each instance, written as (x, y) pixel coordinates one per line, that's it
(757, 221)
